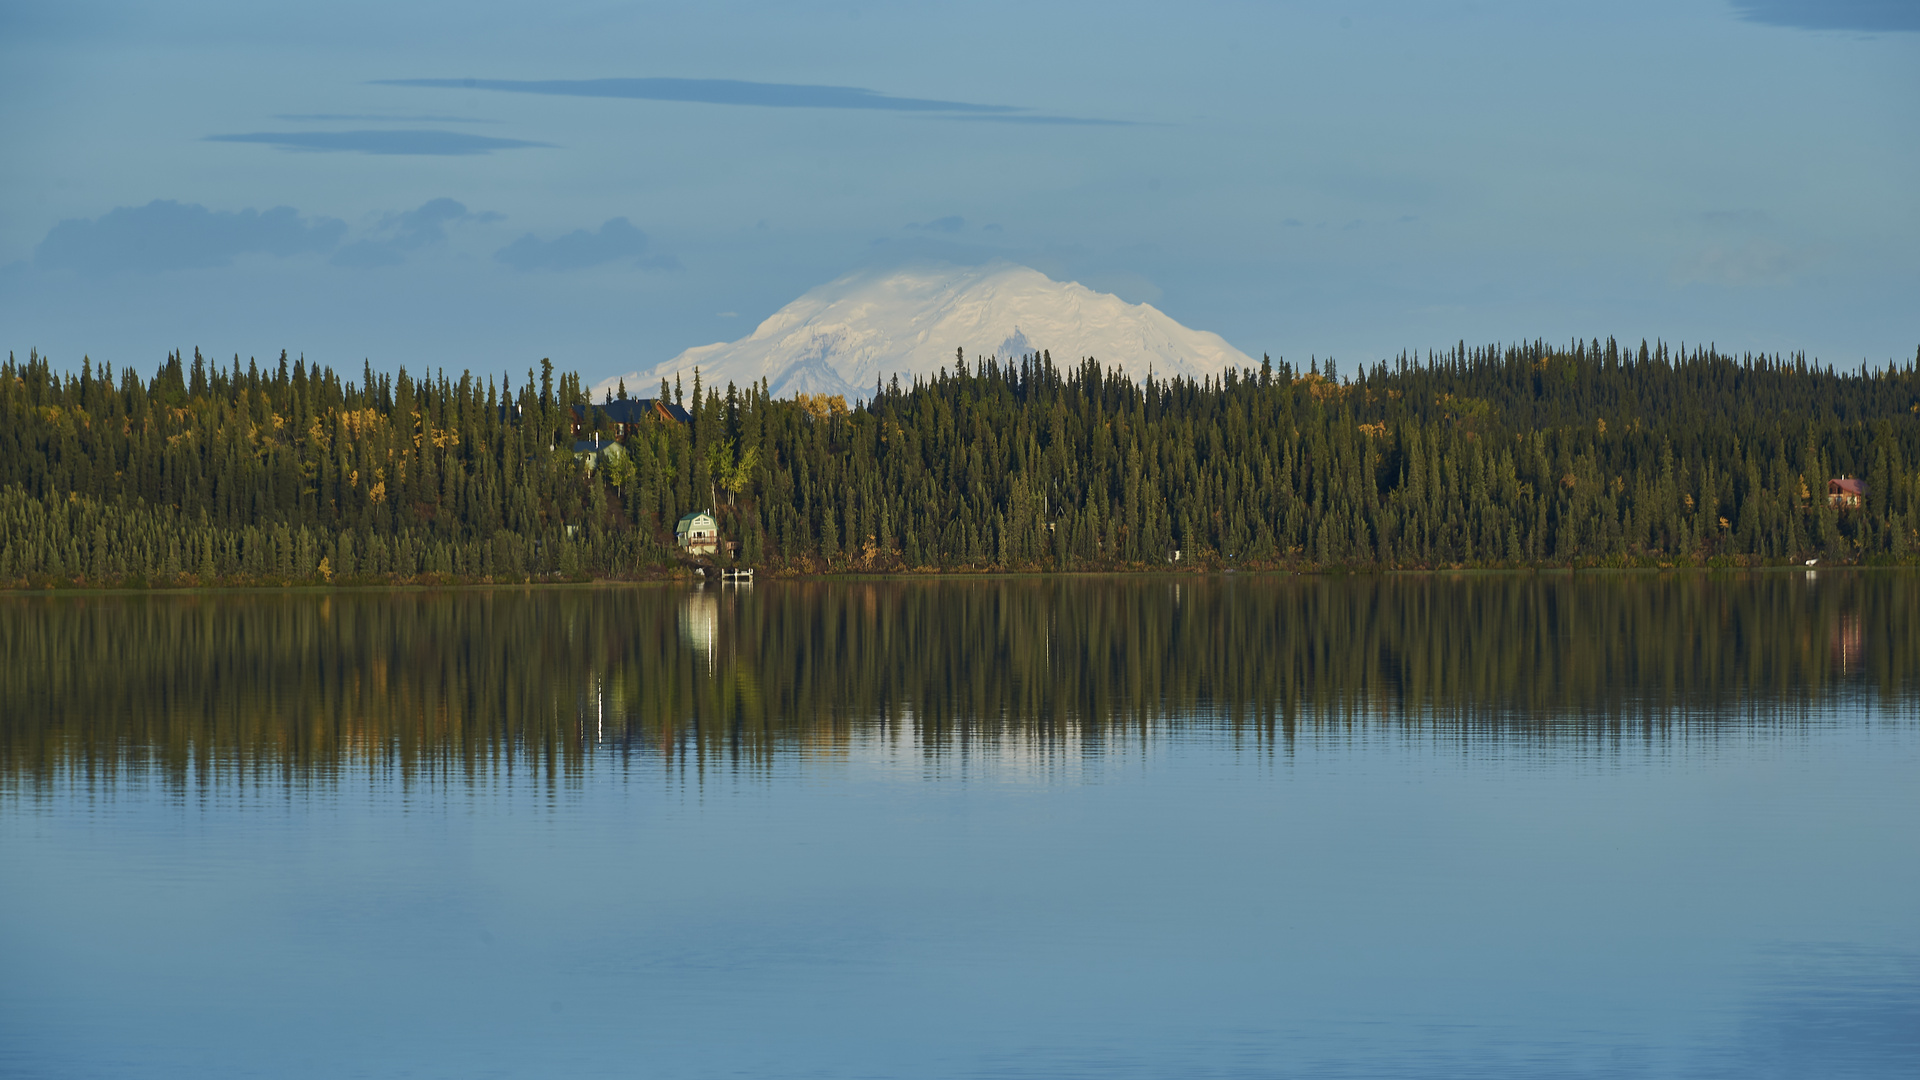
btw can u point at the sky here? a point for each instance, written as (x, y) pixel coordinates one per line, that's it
(481, 185)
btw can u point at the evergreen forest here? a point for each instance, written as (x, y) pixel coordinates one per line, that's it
(1589, 454)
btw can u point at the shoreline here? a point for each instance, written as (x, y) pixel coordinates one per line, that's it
(683, 578)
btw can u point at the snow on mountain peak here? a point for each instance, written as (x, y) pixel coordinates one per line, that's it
(847, 335)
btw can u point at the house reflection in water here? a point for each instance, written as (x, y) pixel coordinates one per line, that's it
(700, 622)
(1846, 641)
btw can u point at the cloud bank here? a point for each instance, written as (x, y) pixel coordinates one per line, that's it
(168, 235)
(408, 231)
(616, 239)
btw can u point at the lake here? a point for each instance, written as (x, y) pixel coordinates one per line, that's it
(1230, 826)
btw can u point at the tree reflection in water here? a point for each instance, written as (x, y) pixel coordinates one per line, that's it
(444, 686)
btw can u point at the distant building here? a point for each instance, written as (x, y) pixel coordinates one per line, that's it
(592, 451)
(698, 532)
(624, 415)
(1846, 493)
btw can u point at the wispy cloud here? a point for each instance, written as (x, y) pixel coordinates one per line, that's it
(713, 92)
(952, 223)
(410, 230)
(1747, 264)
(421, 142)
(1735, 219)
(168, 235)
(342, 118)
(1028, 118)
(1867, 15)
(767, 95)
(615, 240)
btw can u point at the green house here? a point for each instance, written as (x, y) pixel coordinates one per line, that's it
(698, 532)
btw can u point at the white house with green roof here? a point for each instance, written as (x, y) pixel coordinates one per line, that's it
(698, 533)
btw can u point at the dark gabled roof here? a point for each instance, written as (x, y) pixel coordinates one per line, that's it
(628, 411)
(592, 446)
(688, 518)
(632, 411)
(1846, 485)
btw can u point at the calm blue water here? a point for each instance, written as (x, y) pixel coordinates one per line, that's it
(1368, 886)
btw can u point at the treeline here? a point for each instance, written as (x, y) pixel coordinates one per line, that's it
(1587, 454)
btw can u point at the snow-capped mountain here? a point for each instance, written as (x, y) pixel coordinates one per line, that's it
(867, 327)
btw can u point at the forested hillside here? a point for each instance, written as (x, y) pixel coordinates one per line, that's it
(1589, 454)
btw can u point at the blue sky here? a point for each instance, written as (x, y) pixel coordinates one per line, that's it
(481, 185)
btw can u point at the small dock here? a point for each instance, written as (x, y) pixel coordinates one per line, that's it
(737, 575)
